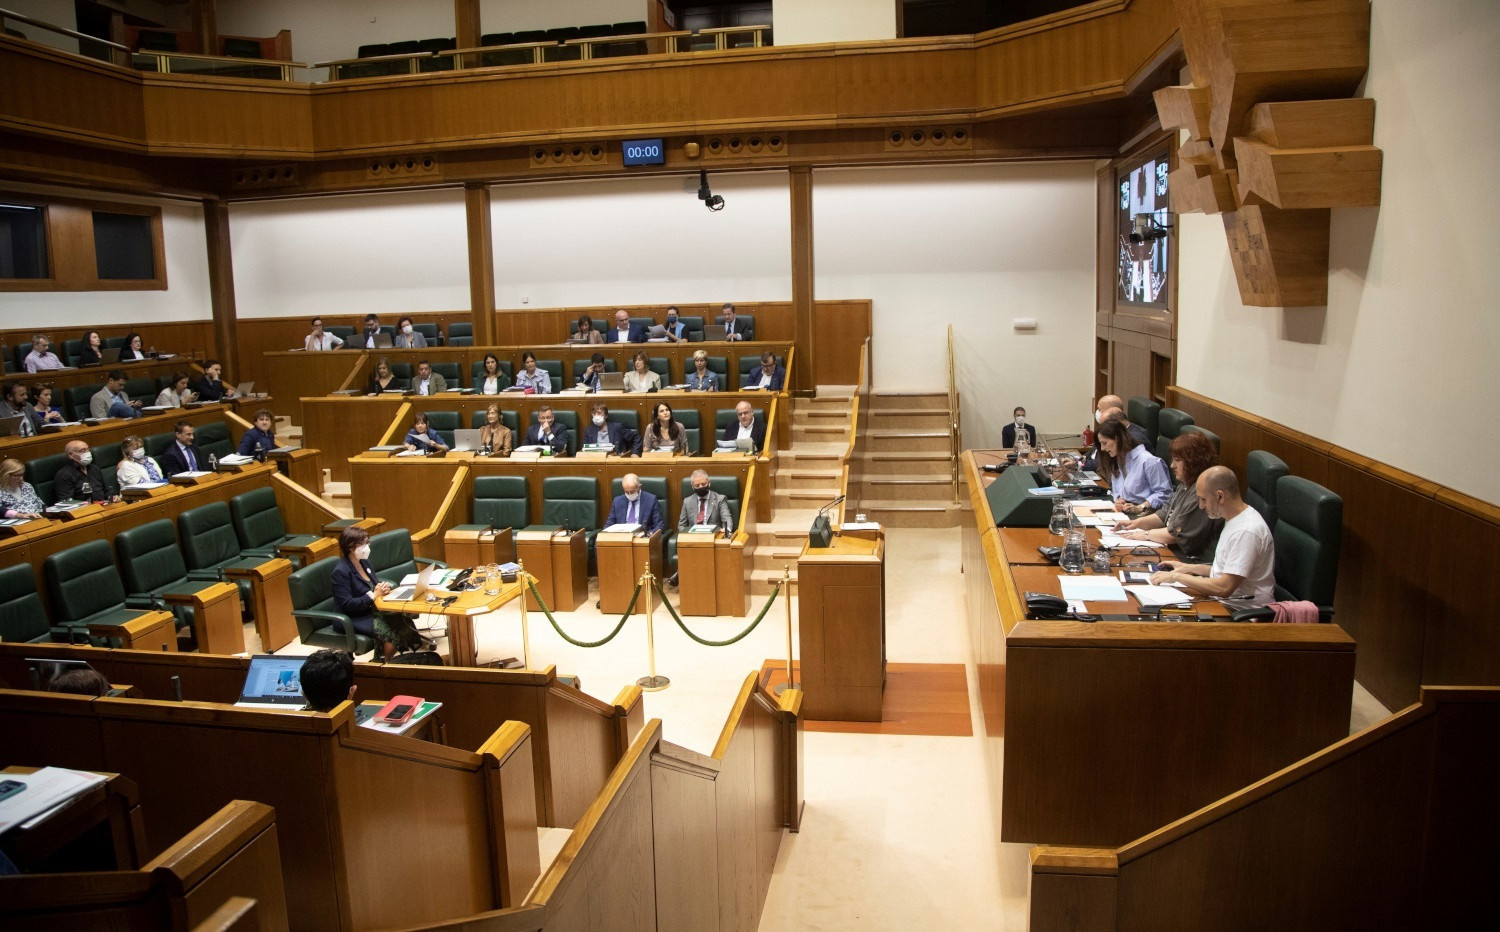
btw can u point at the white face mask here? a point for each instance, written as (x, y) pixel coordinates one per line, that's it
(632, 496)
(1098, 418)
(1020, 421)
(86, 457)
(139, 453)
(362, 552)
(406, 330)
(598, 420)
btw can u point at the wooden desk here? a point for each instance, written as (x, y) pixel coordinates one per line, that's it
(302, 466)
(216, 617)
(270, 600)
(623, 556)
(1033, 578)
(697, 579)
(462, 649)
(560, 563)
(841, 622)
(476, 545)
(102, 830)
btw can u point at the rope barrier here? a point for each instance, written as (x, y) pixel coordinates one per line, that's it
(775, 590)
(629, 609)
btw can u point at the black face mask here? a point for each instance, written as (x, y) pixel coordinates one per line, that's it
(701, 493)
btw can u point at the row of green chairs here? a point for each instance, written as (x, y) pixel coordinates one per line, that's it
(446, 422)
(319, 620)
(212, 438)
(452, 372)
(68, 351)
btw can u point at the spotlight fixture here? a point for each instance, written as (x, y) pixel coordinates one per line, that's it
(1148, 228)
(710, 200)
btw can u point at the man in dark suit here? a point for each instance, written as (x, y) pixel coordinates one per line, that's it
(547, 433)
(746, 424)
(734, 328)
(1008, 433)
(80, 478)
(622, 440)
(624, 331)
(635, 506)
(705, 506)
(210, 387)
(183, 454)
(770, 376)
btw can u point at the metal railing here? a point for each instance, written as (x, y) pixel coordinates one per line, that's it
(114, 52)
(224, 66)
(955, 426)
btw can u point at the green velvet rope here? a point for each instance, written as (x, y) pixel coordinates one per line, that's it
(775, 589)
(564, 635)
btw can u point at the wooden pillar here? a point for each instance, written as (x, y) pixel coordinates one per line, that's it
(466, 25)
(805, 375)
(481, 264)
(205, 15)
(221, 286)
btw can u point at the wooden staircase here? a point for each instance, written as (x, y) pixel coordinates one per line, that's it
(907, 463)
(807, 477)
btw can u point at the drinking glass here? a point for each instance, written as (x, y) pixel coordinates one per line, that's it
(492, 579)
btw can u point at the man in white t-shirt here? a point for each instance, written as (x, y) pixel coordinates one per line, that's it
(1244, 566)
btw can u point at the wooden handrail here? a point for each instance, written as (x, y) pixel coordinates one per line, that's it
(955, 429)
(11, 15)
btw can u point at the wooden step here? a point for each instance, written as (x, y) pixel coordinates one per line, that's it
(803, 498)
(908, 463)
(807, 478)
(910, 514)
(931, 441)
(907, 488)
(885, 401)
(925, 419)
(822, 434)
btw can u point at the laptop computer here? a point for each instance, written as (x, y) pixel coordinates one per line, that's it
(415, 591)
(244, 388)
(712, 332)
(466, 440)
(111, 356)
(382, 341)
(11, 426)
(738, 445)
(273, 682)
(612, 382)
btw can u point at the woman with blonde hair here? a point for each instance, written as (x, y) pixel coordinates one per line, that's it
(494, 437)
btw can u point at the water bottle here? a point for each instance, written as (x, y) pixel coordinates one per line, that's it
(260, 452)
(86, 491)
(1058, 523)
(1071, 560)
(1023, 446)
(213, 463)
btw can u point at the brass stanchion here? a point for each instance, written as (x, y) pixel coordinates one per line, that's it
(652, 683)
(786, 598)
(524, 578)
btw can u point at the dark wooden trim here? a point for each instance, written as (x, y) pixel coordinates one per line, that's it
(481, 262)
(802, 272)
(221, 284)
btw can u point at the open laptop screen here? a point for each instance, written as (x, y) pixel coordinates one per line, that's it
(274, 680)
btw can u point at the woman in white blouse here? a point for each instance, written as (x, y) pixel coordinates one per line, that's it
(492, 380)
(640, 378)
(176, 394)
(136, 468)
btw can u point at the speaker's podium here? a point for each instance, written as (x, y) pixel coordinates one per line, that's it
(623, 557)
(559, 559)
(478, 545)
(841, 617)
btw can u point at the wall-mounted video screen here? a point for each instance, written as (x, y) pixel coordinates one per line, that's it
(1142, 189)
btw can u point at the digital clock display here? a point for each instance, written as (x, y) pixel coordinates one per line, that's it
(643, 152)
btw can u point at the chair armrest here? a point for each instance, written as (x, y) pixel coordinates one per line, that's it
(350, 634)
(145, 601)
(437, 563)
(214, 575)
(1252, 614)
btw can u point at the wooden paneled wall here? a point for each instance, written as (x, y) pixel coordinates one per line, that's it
(1413, 553)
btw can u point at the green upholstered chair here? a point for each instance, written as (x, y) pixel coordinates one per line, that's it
(554, 372)
(213, 439)
(343, 333)
(1213, 438)
(210, 545)
(1170, 423)
(688, 418)
(500, 502)
(23, 618)
(750, 363)
(660, 366)
(429, 332)
(314, 612)
(723, 417)
(572, 502)
(599, 325)
(568, 419)
(42, 474)
(69, 351)
(1146, 414)
(75, 400)
(727, 486)
(258, 525)
(85, 589)
(402, 371)
(1309, 533)
(393, 558)
(461, 333)
(143, 390)
(451, 372)
(445, 423)
(719, 364)
(692, 328)
(1262, 471)
(152, 567)
(157, 444)
(476, 370)
(507, 417)
(581, 364)
(627, 417)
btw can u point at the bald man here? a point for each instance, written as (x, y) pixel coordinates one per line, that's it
(1114, 413)
(1244, 566)
(635, 506)
(80, 479)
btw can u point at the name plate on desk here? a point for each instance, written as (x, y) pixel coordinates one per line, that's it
(191, 478)
(135, 493)
(591, 456)
(531, 456)
(12, 527)
(658, 455)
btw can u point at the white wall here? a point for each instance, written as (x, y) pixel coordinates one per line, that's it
(515, 15)
(642, 240)
(974, 246)
(799, 22)
(186, 297)
(1401, 365)
(378, 253)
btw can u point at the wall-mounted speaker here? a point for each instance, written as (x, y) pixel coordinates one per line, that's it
(258, 177)
(905, 138)
(402, 166)
(745, 145)
(569, 155)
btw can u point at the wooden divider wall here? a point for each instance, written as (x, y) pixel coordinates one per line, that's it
(186, 338)
(1404, 592)
(111, 431)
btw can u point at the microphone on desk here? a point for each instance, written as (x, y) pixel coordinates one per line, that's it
(820, 535)
(177, 687)
(362, 514)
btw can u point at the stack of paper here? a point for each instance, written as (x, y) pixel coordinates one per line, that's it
(1155, 596)
(48, 789)
(1092, 588)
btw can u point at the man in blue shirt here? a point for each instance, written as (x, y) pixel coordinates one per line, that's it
(260, 439)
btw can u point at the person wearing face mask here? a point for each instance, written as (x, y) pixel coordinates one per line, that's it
(17, 498)
(407, 336)
(80, 478)
(704, 506)
(355, 589)
(676, 330)
(635, 506)
(621, 440)
(1008, 433)
(136, 468)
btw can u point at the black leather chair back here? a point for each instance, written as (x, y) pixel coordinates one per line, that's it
(257, 519)
(1309, 532)
(1146, 414)
(207, 535)
(82, 582)
(23, 619)
(571, 502)
(392, 555)
(149, 558)
(501, 501)
(1213, 438)
(1170, 422)
(1262, 471)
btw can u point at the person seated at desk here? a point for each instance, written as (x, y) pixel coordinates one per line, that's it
(260, 439)
(177, 393)
(318, 340)
(78, 681)
(17, 498)
(182, 455)
(746, 427)
(635, 506)
(407, 336)
(492, 379)
(494, 436)
(92, 351)
(1137, 477)
(428, 382)
(1244, 566)
(532, 378)
(211, 387)
(546, 433)
(422, 436)
(1017, 424)
(664, 433)
(327, 679)
(41, 410)
(640, 378)
(621, 440)
(13, 397)
(1181, 524)
(591, 378)
(700, 378)
(586, 332)
(111, 400)
(735, 329)
(355, 589)
(136, 468)
(132, 351)
(705, 506)
(1111, 406)
(367, 337)
(675, 331)
(770, 377)
(41, 356)
(80, 478)
(624, 331)
(381, 380)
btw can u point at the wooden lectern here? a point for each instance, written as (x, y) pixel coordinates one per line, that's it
(560, 563)
(477, 545)
(216, 617)
(270, 599)
(623, 557)
(697, 586)
(841, 617)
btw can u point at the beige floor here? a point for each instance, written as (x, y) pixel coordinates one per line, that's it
(898, 832)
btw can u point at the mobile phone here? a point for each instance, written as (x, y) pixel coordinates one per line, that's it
(1156, 567)
(399, 714)
(9, 788)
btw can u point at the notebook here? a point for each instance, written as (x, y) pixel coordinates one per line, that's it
(273, 682)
